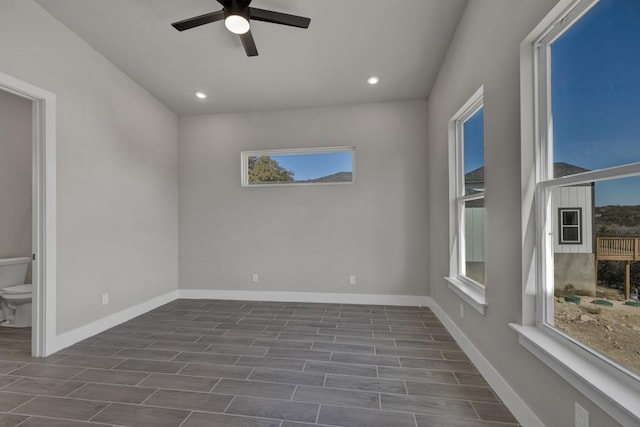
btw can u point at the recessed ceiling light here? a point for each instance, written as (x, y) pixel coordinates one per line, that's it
(373, 80)
(201, 95)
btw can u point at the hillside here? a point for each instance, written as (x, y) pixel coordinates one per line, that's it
(616, 219)
(336, 177)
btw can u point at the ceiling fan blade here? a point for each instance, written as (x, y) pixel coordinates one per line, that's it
(198, 20)
(249, 44)
(278, 18)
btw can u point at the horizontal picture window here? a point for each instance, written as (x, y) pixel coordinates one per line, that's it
(310, 166)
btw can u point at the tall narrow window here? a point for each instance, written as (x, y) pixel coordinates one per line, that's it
(467, 184)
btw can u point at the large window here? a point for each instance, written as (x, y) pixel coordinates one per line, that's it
(580, 118)
(467, 194)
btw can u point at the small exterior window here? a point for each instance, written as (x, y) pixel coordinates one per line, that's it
(570, 220)
(307, 166)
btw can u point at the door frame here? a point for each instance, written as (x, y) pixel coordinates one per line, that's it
(44, 211)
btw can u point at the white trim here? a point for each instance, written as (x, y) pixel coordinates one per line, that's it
(472, 294)
(615, 172)
(66, 339)
(244, 164)
(511, 399)
(615, 395)
(44, 211)
(319, 297)
(469, 290)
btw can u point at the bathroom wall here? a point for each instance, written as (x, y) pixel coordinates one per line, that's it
(486, 51)
(117, 207)
(15, 176)
(307, 238)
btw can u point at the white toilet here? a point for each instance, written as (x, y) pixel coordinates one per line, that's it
(15, 295)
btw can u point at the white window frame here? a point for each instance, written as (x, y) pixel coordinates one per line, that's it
(466, 288)
(244, 165)
(609, 385)
(562, 226)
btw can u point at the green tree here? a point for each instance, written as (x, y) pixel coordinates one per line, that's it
(265, 169)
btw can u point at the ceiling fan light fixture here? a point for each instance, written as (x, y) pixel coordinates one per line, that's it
(237, 24)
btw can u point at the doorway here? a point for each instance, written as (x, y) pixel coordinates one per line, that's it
(43, 206)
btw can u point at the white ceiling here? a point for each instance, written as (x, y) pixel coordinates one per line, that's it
(402, 41)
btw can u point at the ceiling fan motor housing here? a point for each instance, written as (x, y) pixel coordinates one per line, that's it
(237, 7)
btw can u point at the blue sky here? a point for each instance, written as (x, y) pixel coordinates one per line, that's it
(596, 95)
(317, 165)
(474, 141)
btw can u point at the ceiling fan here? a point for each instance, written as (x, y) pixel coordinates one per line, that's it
(236, 15)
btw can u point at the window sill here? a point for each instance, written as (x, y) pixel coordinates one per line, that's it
(611, 389)
(472, 295)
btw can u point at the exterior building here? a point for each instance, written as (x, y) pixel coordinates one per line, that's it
(573, 239)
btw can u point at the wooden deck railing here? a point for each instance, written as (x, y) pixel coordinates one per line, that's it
(625, 248)
(618, 248)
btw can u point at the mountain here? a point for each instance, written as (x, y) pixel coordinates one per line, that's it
(336, 177)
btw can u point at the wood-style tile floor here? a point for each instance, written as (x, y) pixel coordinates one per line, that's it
(209, 363)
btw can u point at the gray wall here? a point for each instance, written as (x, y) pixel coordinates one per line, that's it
(15, 176)
(485, 50)
(306, 238)
(116, 169)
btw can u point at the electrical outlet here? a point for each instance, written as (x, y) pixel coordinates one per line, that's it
(462, 310)
(582, 416)
(254, 277)
(105, 299)
(352, 279)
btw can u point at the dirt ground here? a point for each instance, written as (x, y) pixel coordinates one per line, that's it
(613, 331)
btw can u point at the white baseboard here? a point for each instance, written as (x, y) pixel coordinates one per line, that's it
(511, 399)
(319, 297)
(74, 336)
